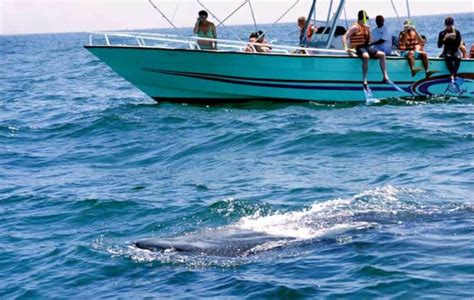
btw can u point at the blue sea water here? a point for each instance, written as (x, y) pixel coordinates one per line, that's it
(362, 201)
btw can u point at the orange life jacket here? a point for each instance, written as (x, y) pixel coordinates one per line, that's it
(410, 43)
(361, 37)
(309, 33)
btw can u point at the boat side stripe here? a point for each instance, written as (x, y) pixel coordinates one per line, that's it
(226, 79)
(269, 79)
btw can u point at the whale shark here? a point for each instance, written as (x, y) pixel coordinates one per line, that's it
(225, 242)
(386, 206)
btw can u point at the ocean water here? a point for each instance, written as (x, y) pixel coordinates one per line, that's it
(345, 201)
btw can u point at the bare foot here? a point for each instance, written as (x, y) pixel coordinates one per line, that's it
(415, 71)
(429, 73)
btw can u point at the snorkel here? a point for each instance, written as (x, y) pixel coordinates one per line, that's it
(365, 18)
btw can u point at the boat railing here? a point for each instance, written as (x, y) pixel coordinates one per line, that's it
(157, 40)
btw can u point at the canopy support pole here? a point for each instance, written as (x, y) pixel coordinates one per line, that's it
(408, 10)
(334, 22)
(304, 38)
(396, 12)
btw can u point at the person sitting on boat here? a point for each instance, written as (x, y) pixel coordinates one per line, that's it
(450, 39)
(382, 36)
(471, 52)
(359, 36)
(259, 38)
(410, 45)
(310, 31)
(252, 39)
(205, 29)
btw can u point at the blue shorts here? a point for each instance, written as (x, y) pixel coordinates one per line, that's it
(372, 51)
(416, 54)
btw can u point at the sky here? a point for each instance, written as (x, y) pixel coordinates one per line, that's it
(47, 16)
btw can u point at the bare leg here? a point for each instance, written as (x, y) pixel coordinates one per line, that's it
(426, 63)
(411, 63)
(365, 66)
(383, 64)
(463, 50)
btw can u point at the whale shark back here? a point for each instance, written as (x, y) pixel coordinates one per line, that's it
(220, 242)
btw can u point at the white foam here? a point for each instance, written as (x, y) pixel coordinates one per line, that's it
(330, 217)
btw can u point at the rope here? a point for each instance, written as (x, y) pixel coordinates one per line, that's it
(345, 16)
(283, 15)
(175, 10)
(221, 23)
(253, 16)
(226, 18)
(162, 14)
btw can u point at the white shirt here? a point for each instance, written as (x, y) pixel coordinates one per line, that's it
(382, 34)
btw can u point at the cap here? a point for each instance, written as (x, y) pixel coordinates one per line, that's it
(449, 21)
(362, 14)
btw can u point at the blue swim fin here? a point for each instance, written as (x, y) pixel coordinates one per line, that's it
(369, 97)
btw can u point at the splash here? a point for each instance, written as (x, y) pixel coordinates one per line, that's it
(337, 220)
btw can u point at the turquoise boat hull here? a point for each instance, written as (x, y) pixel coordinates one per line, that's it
(185, 75)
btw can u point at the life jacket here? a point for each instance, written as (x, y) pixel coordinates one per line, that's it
(471, 52)
(410, 43)
(361, 38)
(309, 34)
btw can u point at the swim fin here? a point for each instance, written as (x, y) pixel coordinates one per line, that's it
(395, 86)
(369, 97)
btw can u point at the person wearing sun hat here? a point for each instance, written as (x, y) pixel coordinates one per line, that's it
(450, 39)
(411, 45)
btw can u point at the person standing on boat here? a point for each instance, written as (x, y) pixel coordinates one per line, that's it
(310, 31)
(382, 36)
(410, 45)
(359, 36)
(451, 39)
(205, 29)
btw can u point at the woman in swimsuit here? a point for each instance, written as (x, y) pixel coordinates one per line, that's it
(205, 29)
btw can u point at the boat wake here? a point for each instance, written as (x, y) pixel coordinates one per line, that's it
(334, 220)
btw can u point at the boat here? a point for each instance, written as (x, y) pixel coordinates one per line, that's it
(174, 68)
